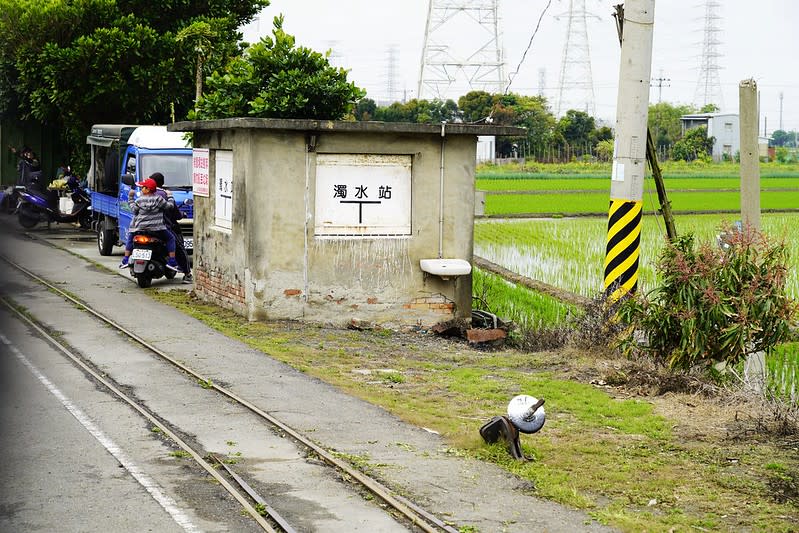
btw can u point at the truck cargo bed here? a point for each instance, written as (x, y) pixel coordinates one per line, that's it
(105, 204)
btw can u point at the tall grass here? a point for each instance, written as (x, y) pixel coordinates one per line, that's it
(782, 372)
(525, 308)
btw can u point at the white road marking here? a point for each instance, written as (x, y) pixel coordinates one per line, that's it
(167, 503)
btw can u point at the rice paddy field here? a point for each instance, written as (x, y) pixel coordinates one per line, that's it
(552, 228)
(569, 252)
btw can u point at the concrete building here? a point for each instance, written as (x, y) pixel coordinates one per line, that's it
(331, 222)
(725, 127)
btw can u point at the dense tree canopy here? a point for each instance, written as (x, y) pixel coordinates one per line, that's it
(276, 79)
(695, 144)
(419, 111)
(72, 63)
(576, 127)
(664, 122)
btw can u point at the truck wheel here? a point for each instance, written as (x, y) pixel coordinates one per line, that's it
(144, 280)
(105, 238)
(27, 217)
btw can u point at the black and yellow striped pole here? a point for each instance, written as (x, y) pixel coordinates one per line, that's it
(629, 155)
(623, 248)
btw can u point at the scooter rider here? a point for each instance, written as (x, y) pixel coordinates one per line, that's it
(29, 168)
(148, 215)
(171, 216)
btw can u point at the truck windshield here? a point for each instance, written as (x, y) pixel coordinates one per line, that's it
(176, 168)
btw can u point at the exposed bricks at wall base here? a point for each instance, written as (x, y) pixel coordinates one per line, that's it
(218, 289)
(437, 304)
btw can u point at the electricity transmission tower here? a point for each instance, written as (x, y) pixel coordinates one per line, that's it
(708, 87)
(576, 87)
(392, 91)
(461, 49)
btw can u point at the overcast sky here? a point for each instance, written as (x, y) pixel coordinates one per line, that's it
(755, 41)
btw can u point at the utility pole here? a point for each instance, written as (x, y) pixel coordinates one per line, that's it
(659, 83)
(629, 157)
(750, 155)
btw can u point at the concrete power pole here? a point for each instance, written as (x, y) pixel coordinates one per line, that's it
(629, 158)
(750, 155)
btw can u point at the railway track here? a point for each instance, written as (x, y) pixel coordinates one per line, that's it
(257, 507)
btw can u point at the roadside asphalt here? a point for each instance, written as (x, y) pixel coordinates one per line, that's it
(457, 489)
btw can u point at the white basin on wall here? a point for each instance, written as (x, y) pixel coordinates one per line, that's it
(446, 268)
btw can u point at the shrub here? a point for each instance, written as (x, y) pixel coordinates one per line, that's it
(714, 303)
(277, 79)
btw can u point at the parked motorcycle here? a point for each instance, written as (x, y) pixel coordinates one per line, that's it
(10, 199)
(36, 205)
(148, 260)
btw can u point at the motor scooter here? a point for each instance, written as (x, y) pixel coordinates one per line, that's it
(36, 205)
(148, 260)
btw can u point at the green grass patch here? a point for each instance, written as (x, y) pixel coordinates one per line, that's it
(609, 456)
(552, 183)
(669, 168)
(589, 202)
(525, 308)
(782, 375)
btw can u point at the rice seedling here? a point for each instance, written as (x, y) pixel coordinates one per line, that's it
(597, 202)
(782, 372)
(570, 253)
(525, 308)
(600, 183)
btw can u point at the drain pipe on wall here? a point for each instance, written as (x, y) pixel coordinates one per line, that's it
(441, 194)
(310, 148)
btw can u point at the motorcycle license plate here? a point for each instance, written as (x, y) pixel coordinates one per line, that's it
(188, 243)
(139, 253)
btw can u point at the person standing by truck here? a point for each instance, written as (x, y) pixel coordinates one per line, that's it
(171, 216)
(148, 216)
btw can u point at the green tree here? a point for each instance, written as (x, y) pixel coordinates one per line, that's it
(277, 79)
(476, 105)
(419, 111)
(72, 63)
(665, 124)
(532, 112)
(365, 109)
(576, 127)
(780, 138)
(200, 35)
(695, 144)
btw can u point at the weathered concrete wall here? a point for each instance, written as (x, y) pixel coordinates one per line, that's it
(272, 265)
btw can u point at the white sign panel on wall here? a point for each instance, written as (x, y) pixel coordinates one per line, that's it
(223, 213)
(199, 172)
(362, 195)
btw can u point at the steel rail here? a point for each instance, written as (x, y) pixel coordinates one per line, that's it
(416, 515)
(142, 411)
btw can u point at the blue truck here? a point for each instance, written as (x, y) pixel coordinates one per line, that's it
(122, 155)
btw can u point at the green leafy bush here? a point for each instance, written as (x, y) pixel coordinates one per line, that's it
(714, 303)
(695, 144)
(276, 79)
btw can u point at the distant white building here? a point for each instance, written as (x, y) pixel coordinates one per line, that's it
(725, 127)
(486, 148)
